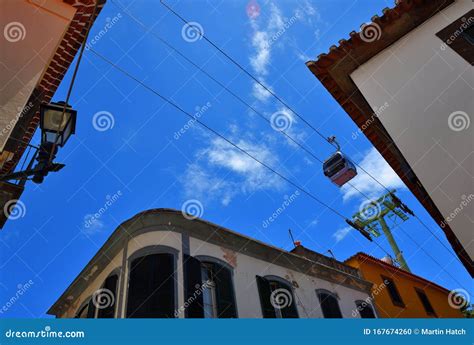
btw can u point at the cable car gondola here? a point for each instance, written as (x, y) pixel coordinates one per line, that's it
(338, 167)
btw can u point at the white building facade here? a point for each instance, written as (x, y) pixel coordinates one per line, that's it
(161, 264)
(406, 79)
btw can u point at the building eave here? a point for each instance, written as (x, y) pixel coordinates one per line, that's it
(173, 220)
(334, 70)
(396, 271)
(53, 74)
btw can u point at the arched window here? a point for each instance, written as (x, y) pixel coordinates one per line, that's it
(276, 297)
(107, 298)
(87, 310)
(209, 288)
(152, 284)
(365, 310)
(329, 304)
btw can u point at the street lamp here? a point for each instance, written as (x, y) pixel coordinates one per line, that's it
(57, 123)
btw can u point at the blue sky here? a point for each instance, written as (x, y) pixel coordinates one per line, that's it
(127, 153)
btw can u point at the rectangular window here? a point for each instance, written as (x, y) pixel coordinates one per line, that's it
(393, 292)
(459, 36)
(426, 302)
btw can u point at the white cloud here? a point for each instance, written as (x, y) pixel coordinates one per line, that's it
(260, 93)
(259, 61)
(221, 171)
(261, 43)
(373, 163)
(92, 224)
(340, 234)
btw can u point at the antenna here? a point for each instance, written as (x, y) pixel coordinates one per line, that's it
(292, 238)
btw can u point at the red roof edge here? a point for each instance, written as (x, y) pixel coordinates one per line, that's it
(72, 40)
(363, 257)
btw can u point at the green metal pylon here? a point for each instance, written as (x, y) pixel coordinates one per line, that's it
(372, 217)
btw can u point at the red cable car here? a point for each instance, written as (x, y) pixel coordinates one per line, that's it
(338, 167)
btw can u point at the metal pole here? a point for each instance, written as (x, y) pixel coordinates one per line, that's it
(393, 244)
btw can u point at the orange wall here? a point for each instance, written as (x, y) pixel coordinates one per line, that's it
(406, 288)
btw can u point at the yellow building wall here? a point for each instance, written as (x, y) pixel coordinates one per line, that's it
(406, 288)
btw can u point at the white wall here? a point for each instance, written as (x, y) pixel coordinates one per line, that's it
(31, 32)
(423, 84)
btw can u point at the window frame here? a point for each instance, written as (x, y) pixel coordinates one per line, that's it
(392, 284)
(114, 272)
(86, 304)
(333, 295)
(460, 44)
(211, 288)
(211, 260)
(150, 250)
(359, 301)
(419, 293)
(283, 283)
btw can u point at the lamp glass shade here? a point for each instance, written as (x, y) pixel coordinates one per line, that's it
(54, 126)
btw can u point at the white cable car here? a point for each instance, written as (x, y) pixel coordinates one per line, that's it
(338, 167)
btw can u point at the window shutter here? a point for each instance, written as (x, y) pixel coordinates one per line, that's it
(290, 311)
(110, 285)
(91, 310)
(264, 292)
(224, 292)
(165, 300)
(151, 287)
(192, 293)
(365, 310)
(329, 306)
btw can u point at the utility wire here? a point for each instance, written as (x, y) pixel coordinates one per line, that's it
(73, 79)
(243, 69)
(176, 106)
(170, 46)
